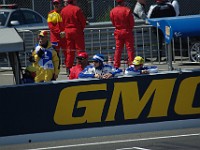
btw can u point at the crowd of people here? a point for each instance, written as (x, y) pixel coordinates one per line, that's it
(67, 23)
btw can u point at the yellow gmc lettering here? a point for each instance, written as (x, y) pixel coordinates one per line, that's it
(66, 102)
(159, 91)
(133, 105)
(186, 95)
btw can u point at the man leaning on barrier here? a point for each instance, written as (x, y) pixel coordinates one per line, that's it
(138, 67)
(81, 63)
(100, 70)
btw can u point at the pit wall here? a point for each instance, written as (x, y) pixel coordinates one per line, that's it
(82, 104)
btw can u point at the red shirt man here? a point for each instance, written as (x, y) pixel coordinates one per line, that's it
(82, 62)
(74, 22)
(123, 21)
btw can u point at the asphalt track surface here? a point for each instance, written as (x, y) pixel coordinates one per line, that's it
(181, 139)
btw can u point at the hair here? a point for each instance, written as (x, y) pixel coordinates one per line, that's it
(70, 2)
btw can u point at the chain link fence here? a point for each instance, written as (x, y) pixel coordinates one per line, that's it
(98, 10)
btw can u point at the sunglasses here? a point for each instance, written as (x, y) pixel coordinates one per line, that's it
(56, 3)
(80, 58)
(95, 61)
(137, 65)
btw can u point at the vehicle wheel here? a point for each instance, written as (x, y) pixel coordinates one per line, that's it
(195, 52)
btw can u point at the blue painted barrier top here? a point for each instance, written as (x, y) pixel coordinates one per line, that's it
(181, 26)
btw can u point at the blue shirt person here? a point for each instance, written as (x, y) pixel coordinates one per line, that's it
(138, 67)
(100, 70)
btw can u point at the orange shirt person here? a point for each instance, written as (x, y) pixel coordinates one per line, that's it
(57, 34)
(123, 21)
(74, 22)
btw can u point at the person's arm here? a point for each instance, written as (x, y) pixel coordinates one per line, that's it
(56, 63)
(112, 18)
(131, 19)
(152, 69)
(117, 72)
(53, 19)
(131, 71)
(87, 73)
(81, 18)
(72, 74)
(112, 72)
(37, 54)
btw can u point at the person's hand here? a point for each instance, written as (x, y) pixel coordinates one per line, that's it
(55, 76)
(107, 76)
(31, 59)
(145, 72)
(62, 34)
(98, 76)
(40, 53)
(87, 22)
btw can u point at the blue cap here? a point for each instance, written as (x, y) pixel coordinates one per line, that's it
(98, 57)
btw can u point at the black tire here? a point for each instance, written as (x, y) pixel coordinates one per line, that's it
(195, 52)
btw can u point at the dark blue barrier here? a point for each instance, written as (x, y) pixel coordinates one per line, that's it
(39, 108)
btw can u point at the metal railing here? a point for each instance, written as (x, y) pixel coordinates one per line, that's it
(101, 40)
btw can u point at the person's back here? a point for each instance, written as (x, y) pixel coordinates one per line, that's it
(74, 22)
(161, 9)
(123, 21)
(120, 17)
(73, 17)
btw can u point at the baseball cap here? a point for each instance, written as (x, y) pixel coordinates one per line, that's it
(56, 1)
(43, 33)
(82, 55)
(138, 60)
(98, 57)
